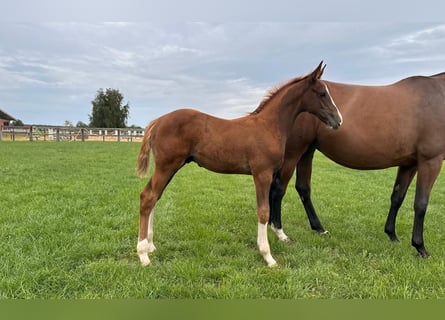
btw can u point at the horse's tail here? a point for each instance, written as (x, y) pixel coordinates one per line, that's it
(143, 161)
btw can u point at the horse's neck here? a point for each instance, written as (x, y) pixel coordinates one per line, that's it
(283, 110)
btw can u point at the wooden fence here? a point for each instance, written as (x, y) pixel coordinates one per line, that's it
(54, 133)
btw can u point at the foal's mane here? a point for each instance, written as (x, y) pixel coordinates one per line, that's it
(275, 90)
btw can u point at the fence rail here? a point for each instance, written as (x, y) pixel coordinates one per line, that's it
(54, 133)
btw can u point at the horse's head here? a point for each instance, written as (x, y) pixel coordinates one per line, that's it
(318, 101)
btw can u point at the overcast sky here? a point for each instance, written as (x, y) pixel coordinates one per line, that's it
(51, 68)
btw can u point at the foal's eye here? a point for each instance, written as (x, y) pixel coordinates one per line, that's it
(322, 94)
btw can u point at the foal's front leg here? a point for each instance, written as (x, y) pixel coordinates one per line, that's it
(262, 186)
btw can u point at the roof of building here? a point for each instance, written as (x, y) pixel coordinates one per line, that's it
(5, 116)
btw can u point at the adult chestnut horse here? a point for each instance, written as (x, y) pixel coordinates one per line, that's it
(253, 145)
(402, 124)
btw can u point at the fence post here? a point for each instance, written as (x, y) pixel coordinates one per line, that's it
(30, 134)
(1, 131)
(118, 135)
(58, 135)
(13, 134)
(82, 132)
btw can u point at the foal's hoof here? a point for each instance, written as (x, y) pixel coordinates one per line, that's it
(288, 241)
(151, 248)
(280, 233)
(145, 261)
(324, 233)
(273, 265)
(143, 248)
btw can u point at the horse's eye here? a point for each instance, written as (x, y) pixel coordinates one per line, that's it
(322, 94)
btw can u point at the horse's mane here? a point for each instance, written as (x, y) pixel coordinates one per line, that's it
(275, 90)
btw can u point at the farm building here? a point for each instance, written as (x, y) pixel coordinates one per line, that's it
(5, 119)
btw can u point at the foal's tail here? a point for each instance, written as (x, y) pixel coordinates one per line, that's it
(144, 155)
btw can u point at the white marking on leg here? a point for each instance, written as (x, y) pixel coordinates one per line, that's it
(151, 246)
(280, 233)
(263, 245)
(142, 249)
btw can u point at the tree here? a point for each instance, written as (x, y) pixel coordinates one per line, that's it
(81, 124)
(68, 123)
(18, 123)
(108, 110)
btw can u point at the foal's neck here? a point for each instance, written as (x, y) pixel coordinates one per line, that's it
(283, 108)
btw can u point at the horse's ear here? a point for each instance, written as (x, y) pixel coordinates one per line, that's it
(318, 72)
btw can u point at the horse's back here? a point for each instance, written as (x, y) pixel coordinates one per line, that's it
(183, 123)
(438, 75)
(174, 133)
(386, 126)
(181, 116)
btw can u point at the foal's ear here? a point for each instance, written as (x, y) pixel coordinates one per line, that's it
(318, 72)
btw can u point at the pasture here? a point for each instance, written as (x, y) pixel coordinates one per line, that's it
(69, 221)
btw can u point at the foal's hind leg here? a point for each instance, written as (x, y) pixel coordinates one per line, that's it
(148, 198)
(404, 177)
(277, 191)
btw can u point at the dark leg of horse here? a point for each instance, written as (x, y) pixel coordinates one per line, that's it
(263, 181)
(303, 186)
(148, 198)
(404, 177)
(275, 198)
(426, 176)
(277, 191)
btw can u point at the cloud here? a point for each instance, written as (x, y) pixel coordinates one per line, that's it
(220, 68)
(422, 43)
(418, 52)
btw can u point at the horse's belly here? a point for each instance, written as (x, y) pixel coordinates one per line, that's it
(222, 164)
(367, 155)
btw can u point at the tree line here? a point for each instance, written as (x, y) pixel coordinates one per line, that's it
(108, 111)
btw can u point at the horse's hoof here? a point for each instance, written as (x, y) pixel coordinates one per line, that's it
(393, 237)
(273, 265)
(324, 233)
(423, 254)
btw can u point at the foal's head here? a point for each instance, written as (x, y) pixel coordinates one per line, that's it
(316, 98)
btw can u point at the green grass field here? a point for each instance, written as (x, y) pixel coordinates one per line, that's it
(69, 219)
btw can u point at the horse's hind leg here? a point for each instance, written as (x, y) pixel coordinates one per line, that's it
(148, 198)
(404, 177)
(426, 176)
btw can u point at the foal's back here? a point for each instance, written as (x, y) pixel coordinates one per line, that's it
(220, 145)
